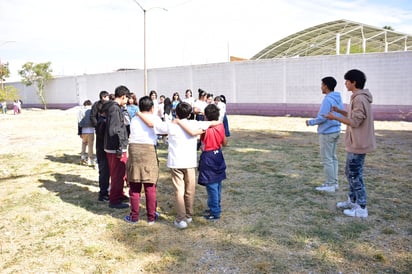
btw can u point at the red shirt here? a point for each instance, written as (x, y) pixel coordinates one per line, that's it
(213, 138)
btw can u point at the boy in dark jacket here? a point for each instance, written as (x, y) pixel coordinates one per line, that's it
(98, 119)
(115, 146)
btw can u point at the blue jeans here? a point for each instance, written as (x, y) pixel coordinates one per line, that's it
(354, 174)
(328, 144)
(213, 198)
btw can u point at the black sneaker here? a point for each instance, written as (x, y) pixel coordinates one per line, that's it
(119, 206)
(103, 198)
(211, 217)
(125, 198)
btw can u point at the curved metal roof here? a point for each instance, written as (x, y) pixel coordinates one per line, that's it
(337, 37)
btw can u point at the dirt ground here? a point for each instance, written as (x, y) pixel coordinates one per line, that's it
(49, 206)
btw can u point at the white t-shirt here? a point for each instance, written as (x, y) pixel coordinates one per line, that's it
(201, 105)
(140, 133)
(222, 110)
(182, 146)
(190, 101)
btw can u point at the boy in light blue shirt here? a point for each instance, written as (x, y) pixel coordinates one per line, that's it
(329, 131)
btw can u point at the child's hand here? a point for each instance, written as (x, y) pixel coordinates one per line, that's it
(330, 116)
(335, 109)
(176, 121)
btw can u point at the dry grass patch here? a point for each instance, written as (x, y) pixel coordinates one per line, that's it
(273, 220)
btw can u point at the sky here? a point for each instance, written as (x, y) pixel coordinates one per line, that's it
(97, 36)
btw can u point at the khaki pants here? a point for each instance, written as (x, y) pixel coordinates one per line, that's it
(184, 185)
(87, 141)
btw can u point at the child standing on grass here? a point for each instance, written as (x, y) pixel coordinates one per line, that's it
(359, 140)
(142, 164)
(328, 131)
(86, 132)
(182, 160)
(212, 166)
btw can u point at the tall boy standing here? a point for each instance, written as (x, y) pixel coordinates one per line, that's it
(359, 140)
(328, 131)
(115, 145)
(98, 119)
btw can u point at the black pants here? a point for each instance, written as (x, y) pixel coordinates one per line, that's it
(104, 172)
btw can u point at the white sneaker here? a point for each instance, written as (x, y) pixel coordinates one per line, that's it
(346, 204)
(189, 220)
(181, 225)
(90, 162)
(356, 211)
(326, 188)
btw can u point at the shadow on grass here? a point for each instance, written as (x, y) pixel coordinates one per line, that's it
(64, 159)
(76, 190)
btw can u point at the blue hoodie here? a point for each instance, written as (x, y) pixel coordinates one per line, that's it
(326, 126)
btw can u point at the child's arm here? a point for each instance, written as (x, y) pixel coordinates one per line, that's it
(145, 119)
(187, 128)
(343, 119)
(224, 143)
(340, 111)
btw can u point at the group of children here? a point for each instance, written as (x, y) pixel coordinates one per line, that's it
(139, 166)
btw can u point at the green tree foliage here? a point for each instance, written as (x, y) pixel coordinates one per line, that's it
(388, 28)
(4, 73)
(8, 93)
(37, 74)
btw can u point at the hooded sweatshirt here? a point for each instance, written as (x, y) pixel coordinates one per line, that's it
(115, 138)
(360, 134)
(326, 126)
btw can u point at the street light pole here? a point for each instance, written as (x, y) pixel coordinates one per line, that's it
(144, 44)
(144, 53)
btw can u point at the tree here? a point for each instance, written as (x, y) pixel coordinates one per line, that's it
(4, 73)
(388, 28)
(37, 74)
(8, 93)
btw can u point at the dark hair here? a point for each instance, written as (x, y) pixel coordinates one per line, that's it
(121, 91)
(162, 96)
(212, 112)
(217, 98)
(357, 76)
(102, 94)
(87, 103)
(209, 95)
(330, 82)
(167, 106)
(183, 110)
(223, 98)
(202, 93)
(132, 96)
(178, 97)
(153, 92)
(145, 103)
(189, 90)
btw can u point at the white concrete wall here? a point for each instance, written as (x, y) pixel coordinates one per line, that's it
(293, 81)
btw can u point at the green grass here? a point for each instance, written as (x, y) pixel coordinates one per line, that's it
(273, 221)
